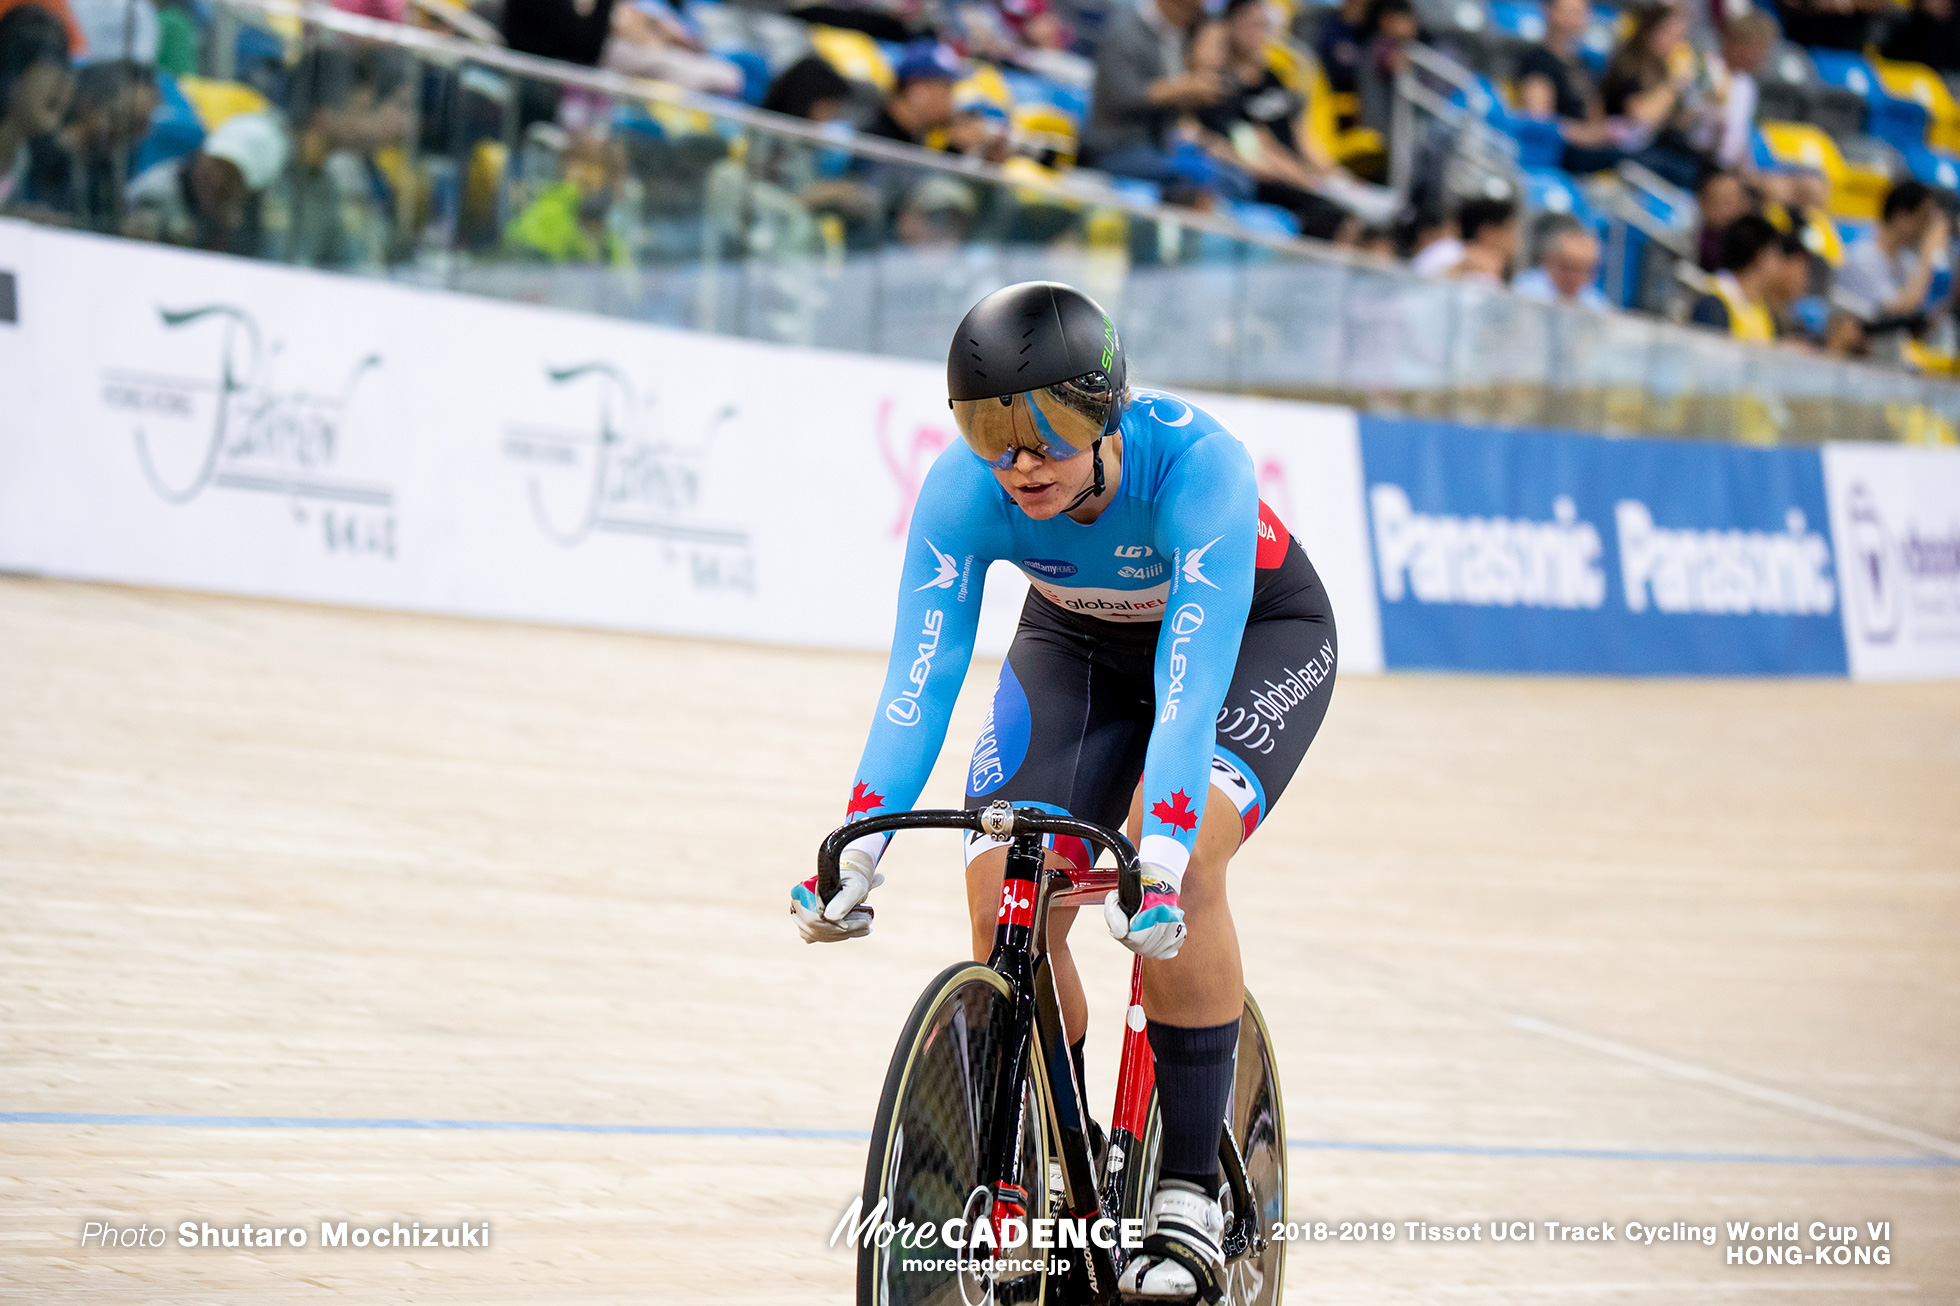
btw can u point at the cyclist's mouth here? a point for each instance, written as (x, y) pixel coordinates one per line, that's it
(1027, 494)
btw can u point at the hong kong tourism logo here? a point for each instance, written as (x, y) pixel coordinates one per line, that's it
(607, 468)
(239, 420)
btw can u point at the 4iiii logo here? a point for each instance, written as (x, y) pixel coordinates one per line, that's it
(613, 475)
(238, 426)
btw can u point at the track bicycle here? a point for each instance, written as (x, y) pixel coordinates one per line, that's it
(981, 1121)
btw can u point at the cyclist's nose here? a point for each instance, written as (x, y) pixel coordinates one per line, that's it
(1027, 462)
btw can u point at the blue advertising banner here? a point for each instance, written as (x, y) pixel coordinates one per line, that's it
(1531, 551)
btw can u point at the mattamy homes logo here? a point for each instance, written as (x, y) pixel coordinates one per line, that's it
(614, 473)
(237, 425)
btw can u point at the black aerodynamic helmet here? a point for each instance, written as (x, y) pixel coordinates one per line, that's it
(1036, 366)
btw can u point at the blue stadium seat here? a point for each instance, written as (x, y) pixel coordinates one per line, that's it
(1523, 19)
(1266, 219)
(1900, 122)
(1549, 190)
(1933, 167)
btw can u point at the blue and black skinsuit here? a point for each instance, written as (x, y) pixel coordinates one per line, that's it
(1182, 636)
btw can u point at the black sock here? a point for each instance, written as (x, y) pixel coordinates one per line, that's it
(1194, 1090)
(1075, 1054)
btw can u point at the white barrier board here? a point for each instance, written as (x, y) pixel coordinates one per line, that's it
(182, 419)
(1895, 514)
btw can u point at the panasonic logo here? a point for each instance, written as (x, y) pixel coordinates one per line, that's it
(1723, 572)
(1490, 561)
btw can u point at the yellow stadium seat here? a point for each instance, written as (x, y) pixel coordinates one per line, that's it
(1324, 134)
(1855, 192)
(1023, 169)
(1924, 87)
(1039, 128)
(854, 54)
(214, 101)
(986, 83)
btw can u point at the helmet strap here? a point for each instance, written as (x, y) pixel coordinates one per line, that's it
(1095, 488)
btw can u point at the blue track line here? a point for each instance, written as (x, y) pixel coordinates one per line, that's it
(858, 1136)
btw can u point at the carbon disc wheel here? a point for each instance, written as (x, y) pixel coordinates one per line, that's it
(927, 1160)
(1258, 1120)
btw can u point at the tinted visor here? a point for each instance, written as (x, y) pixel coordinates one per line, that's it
(1056, 421)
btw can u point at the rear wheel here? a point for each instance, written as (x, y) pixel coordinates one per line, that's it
(1258, 1121)
(927, 1161)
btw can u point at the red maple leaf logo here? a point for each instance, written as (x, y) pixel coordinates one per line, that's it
(1176, 813)
(863, 801)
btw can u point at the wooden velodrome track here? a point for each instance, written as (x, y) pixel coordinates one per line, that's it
(1531, 950)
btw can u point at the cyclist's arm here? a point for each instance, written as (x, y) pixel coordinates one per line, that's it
(956, 532)
(1208, 526)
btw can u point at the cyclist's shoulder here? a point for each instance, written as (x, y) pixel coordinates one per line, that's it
(957, 484)
(1164, 433)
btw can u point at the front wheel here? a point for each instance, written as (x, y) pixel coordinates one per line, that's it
(928, 1161)
(1258, 1122)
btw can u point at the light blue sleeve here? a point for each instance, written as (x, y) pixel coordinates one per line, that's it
(958, 528)
(1208, 525)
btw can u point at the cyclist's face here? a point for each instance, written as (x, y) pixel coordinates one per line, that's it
(1042, 487)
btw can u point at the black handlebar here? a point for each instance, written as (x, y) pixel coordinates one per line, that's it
(1027, 820)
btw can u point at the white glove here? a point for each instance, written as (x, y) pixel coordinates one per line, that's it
(845, 916)
(1156, 932)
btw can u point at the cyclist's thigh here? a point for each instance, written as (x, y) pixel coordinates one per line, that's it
(1278, 698)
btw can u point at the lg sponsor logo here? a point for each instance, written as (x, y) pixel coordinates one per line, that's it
(1133, 551)
(904, 710)
(1184, 623)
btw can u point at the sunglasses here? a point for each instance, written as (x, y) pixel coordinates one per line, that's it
(1056, 421)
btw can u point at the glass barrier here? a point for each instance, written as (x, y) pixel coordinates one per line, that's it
(334, 141)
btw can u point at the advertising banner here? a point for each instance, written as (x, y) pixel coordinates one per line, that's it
(182, 419)
(1511, 551)
(1896, 516)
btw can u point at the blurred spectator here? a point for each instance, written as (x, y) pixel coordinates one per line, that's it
(921, 102)
(1723, 199)
(1647, 86)
(205, 198)
(1046, 45)
(938, 211)
(647, 40)
(35, 86)
(1254, 127)
(1731, 120)
(1787, 292)
(352, 112)
(809, 88)
(1143, 85)
(573, 31)
(1553, 82)
(1344, 37)
(117, 29)
(1396, 29)
(1568, 265)
(979, 129)
(77, 42)
(1482, 250)
(1833, 24)
(1929, 35)
(1886, 278)
(1844, 335)
(569, 221)
(80, 170)
(1738, 304)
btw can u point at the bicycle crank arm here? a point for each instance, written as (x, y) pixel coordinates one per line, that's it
(1245, 1237)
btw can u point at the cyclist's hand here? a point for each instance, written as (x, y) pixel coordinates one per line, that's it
(1157, 930)
(845, 916)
